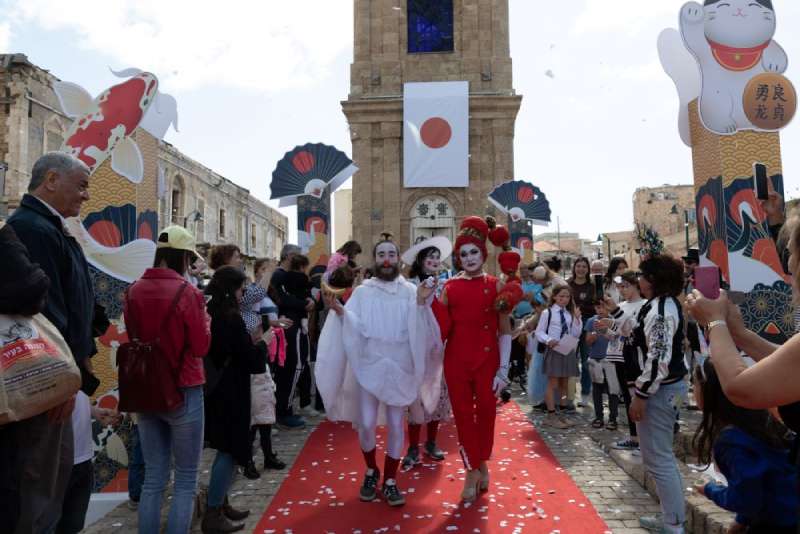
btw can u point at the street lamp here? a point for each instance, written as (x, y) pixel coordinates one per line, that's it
(674, 211)
(195, 216)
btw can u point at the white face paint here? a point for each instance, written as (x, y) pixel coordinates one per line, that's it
(386, 253)
(433, 263)
(471, 258)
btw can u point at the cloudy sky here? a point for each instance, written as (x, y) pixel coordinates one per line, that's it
(258, 77)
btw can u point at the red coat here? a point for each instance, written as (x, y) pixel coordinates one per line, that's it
(186, 334)
(469, 322)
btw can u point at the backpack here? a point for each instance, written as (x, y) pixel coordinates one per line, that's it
(147, 383)
(542, 347)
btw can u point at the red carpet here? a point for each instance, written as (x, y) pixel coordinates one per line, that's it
(530, 492)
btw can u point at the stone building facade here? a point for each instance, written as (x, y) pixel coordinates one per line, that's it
(670, 210)
(215, 209)
(210, 205)
(374, 110)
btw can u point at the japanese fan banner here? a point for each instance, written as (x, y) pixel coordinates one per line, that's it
(436, 134)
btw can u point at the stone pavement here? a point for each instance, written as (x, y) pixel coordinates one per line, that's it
(618, 496)
(254, 495)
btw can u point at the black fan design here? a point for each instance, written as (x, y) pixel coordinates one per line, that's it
(521, 200)
(308, 170)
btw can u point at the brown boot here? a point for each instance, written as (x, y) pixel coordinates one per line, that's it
(215, 522)
(232, 513)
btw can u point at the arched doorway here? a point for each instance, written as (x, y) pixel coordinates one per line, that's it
(432, 216)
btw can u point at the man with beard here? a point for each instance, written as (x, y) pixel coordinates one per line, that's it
(382, 348)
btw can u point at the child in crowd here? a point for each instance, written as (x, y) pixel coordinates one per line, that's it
(297, 283)
(559, 327)
(537, 381)
(261, 314)
(621, 352)
(602, 372)
(750, 449)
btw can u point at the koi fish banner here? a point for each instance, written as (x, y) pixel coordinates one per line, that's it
(734, 99)
(116, 134)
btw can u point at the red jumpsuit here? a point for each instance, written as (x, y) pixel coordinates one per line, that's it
(469, 324)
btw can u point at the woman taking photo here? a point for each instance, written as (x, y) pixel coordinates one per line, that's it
(775, 378)
(175, 436)
(234, 355)
(660, 384)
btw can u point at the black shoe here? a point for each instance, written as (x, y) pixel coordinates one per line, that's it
(216, 522)
(541, 407)
(505, 395)
(392, 494)
(250, 471)
(410, 459)
(271, 462)
(369, 489)
(232, 513)
(434, 453)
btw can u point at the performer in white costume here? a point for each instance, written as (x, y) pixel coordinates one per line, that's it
(426, 259)
(376, 356)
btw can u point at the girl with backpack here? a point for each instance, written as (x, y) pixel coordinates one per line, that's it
(560, 325)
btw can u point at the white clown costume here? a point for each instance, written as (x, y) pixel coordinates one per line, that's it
(383, 353)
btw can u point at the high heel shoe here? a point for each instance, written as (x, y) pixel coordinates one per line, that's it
(484, 483)
(484, 480)
(472, 483)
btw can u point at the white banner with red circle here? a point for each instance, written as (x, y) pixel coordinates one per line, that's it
(436, 134)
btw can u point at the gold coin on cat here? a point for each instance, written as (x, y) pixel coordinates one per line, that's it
(770, 101)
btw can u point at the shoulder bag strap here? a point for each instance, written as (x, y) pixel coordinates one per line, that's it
(171, 310)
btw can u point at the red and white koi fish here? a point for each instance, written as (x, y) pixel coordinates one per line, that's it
(103, 125)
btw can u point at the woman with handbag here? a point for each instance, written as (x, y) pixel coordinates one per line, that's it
(167, 315)
(234, 356)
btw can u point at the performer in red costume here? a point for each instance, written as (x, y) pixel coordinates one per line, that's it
(473, 317)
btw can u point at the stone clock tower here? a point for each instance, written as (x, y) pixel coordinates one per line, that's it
(400, 41)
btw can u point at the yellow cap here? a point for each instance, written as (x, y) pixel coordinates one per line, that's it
(177, 237)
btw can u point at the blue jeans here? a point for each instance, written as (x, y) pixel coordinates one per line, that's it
(177, 435)
(537, 382)
(222, 473)
(135, 466)
(656, 432)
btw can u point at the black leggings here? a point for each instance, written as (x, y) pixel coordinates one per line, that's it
(265, 433)
(626, 396)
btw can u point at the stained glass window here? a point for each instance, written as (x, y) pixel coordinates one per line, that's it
(430, 26)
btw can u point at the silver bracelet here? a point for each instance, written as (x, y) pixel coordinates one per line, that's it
(713, 324)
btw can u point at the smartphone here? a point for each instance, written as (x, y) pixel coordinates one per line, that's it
(706, 281)
(599, 294)
(760, 178)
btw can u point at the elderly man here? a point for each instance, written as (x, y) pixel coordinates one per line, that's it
(59, 186)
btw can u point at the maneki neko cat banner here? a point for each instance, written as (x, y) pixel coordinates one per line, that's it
(117, 135)
(734, 99)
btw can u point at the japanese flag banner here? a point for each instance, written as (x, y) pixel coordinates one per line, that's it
(436, 134)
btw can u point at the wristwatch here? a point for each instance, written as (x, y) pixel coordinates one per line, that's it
(714, 324)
